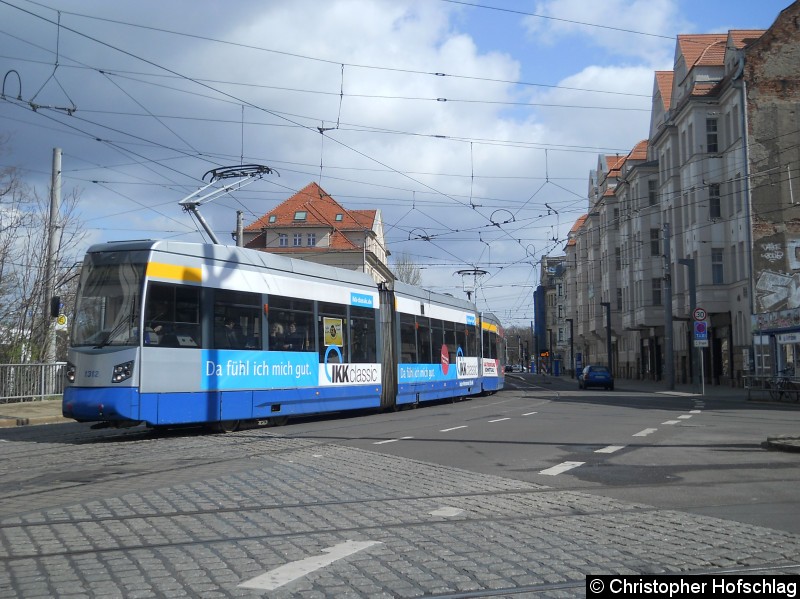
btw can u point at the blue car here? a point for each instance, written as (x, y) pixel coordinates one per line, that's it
(596, 376)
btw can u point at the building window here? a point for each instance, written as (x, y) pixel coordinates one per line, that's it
(272, 218)
(300, 215)
(283, 240)
(311, 239)
(339, 217)
(652, 192)
(618, 257)
(714, 204)
(656, 292)
(619, 299)
(712, 145)
(560, 311)
(655, 243)
(298, 239)
(717, 270)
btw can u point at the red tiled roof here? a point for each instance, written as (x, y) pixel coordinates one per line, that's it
(664, 83)
(744, 37)
(639, 151)
(614, 163)
(321, 210)
(703, 48)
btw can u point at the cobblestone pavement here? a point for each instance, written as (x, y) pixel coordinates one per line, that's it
(139, 515)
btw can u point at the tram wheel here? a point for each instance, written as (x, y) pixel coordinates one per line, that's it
(226, 426)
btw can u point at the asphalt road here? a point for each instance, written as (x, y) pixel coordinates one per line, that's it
(520, 494)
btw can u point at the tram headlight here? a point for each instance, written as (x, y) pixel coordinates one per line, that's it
(70, 372)
(122, 372)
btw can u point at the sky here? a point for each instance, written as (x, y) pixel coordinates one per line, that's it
(471, 126)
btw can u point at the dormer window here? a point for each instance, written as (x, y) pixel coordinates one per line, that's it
(339, 217)
(272, 218)
(300, 215)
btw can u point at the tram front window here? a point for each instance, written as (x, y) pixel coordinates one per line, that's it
(109, 300)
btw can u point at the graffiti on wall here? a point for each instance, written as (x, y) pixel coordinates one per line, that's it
(777, 290)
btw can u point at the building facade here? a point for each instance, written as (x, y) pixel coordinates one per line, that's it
(702, 214)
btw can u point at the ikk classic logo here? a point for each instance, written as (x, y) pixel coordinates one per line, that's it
(335, 373)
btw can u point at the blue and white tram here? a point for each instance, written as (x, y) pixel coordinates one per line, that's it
(493, 352)
(170, 333)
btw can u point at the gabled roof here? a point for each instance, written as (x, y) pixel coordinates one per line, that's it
(574, 230)
(664, 83)
(639, 151)
(702, 48)
(321, 210)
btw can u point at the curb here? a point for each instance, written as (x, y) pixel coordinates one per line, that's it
(791, 444)
(11, 422)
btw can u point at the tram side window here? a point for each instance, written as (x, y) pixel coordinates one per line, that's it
(290, 324)
(437, 339)
(333, 331)
(471, 348)
(424, 340)
(172, 316)
(408, 339)
(488, 344)
(237, 320)
(450, 339)
(461, 338)
(363, 335)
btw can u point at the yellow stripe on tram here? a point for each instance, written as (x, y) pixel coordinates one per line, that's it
(488, 326)
(187, 274)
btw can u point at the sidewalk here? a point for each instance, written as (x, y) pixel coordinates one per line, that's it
(31, 412)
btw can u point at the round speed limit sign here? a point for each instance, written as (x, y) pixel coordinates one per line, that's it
(699, 314)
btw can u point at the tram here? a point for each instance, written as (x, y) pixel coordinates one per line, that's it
(169, 333)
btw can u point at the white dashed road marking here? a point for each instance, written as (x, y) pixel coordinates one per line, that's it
(645, 432)
(672, 422)
(455, 428)
(530, 413)
(391, 440)
(562, 467)
(499, 419)
(610, 449)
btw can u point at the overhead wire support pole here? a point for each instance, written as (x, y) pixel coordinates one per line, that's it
(245, 174)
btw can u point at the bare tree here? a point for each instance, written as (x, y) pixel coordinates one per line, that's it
(23, 248)
(406, 270)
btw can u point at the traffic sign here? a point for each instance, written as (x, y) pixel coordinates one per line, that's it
(701, 329)
(699, 314)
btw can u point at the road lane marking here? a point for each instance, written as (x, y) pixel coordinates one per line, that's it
(391, 440)
(645, 432)
(684, 417)
(610, 449)
(499, 419)
(672, 422)
(560, 468)
(455, 428)
(530, 413)
(294, 570)
(695, 411)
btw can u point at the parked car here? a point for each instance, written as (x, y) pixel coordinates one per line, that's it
(596, 376)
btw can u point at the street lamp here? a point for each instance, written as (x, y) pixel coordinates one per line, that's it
(571, 351)
(607, 306)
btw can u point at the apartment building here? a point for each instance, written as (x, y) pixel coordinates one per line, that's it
(311, 225)
(700, 214)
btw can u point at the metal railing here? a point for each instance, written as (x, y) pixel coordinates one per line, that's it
(31, 382)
